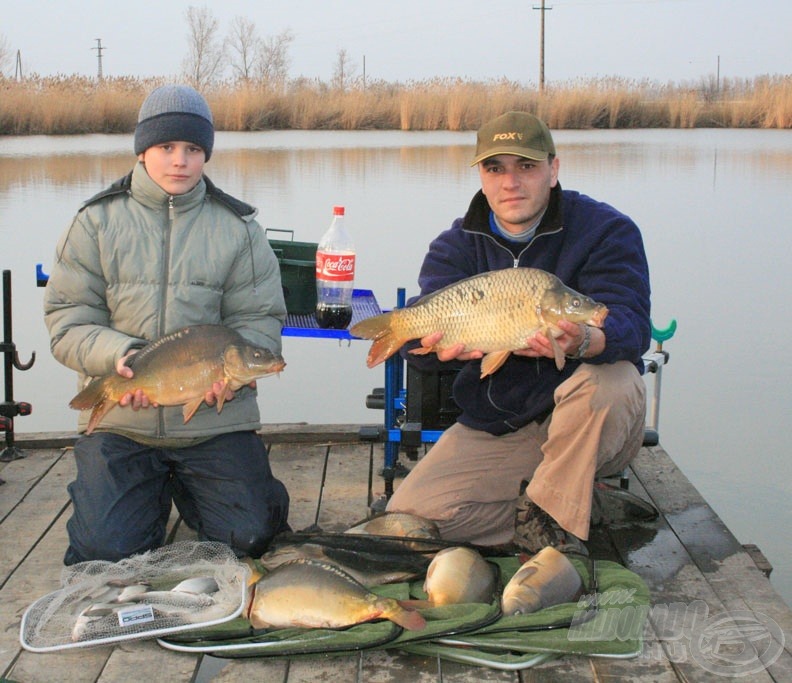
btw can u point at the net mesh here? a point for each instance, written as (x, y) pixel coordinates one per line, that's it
(176, 587)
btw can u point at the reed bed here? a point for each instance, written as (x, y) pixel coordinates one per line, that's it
(65, 105)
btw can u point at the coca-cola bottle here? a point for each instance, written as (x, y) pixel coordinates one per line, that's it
(335, 275)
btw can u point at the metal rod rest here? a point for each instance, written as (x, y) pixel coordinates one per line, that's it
(10, 408)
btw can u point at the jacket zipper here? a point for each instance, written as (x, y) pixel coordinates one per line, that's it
(164, 291)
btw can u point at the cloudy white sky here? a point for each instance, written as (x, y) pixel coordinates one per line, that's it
(403, 40)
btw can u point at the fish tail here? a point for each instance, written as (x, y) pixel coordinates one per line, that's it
(406, 617)
(100, 410)
(379, 328)
(93, 393)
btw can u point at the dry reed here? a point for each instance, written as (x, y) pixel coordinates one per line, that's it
(64, 105)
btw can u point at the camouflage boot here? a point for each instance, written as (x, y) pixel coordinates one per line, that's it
(534, 529)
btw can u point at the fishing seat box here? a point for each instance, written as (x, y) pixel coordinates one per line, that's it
(297, 261)
(429, 399)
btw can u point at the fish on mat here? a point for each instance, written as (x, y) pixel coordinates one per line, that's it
(189, 601)
(547, 579)
(457, 575)
(180, 368)
(370, 560)
(493, 312)
(401, 524)
(312, 594)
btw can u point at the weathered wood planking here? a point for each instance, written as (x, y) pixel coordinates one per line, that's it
(685, 556)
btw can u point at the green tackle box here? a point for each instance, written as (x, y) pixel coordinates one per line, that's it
(297, 262)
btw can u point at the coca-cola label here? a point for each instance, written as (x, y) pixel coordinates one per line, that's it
(337, 267)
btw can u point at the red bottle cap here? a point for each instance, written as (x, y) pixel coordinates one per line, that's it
(338, 210)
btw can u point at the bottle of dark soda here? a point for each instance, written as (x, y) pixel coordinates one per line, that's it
(335, 275)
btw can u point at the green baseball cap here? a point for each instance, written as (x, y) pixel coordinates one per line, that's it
(515, 132)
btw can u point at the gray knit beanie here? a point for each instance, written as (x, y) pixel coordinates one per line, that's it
(171, 113)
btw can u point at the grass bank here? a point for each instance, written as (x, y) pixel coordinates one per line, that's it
(78, 105)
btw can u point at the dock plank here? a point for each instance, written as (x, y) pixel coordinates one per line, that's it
(29, 565)
(22, 475)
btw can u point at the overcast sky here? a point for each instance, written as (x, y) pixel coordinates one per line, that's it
(407, 40)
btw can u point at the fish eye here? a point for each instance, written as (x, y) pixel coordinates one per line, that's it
(576, 302)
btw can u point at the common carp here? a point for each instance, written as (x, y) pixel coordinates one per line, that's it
(402, 525)
(371, 560)
(179, 369)
(312, 594)
(548, 578)
(458, 575)
(493, 312)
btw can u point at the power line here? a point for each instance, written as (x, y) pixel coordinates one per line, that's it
(99, 49)
(542, 9)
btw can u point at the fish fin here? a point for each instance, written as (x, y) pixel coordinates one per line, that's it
(407, 617)
(383, 348)
(221, 398)
(378, 328)
(414, 604)
(560, 358)
(91, 395)
(372, 328)
(100, 410)
(191, 408)
(492, 361)
(95, 395)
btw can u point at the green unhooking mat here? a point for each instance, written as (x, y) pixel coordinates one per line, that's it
(608, 621)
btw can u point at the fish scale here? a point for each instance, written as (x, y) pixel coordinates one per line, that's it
(494, 312)
(312, 594)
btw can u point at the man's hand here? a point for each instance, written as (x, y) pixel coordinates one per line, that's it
(136, 399)
(570, 337)
(455, 352)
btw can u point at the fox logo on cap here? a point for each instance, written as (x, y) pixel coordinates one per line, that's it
(516, 132)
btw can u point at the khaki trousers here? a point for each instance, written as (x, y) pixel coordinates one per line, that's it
(469, 481)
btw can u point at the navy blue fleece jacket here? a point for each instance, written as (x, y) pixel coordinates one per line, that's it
(593, 248)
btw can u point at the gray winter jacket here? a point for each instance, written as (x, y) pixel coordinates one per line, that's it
(136, 264)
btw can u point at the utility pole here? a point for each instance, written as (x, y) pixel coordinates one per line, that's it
(99, 49)
(542, 10)
(18, 70)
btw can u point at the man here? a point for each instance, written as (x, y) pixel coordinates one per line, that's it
(529, 422)
(160, 249)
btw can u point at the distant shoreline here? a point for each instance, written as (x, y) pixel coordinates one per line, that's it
(74, 105)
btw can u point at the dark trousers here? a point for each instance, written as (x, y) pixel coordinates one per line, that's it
(223, 488)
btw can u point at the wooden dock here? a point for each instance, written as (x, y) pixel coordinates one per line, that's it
(687, 556)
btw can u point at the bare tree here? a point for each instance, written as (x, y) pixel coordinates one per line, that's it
(205, 59)
(344, 71)
(274, 59)
(243, 47)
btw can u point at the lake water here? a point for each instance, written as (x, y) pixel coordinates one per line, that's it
(714, 207)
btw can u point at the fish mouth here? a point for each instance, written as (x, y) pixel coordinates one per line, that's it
(598, 316)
